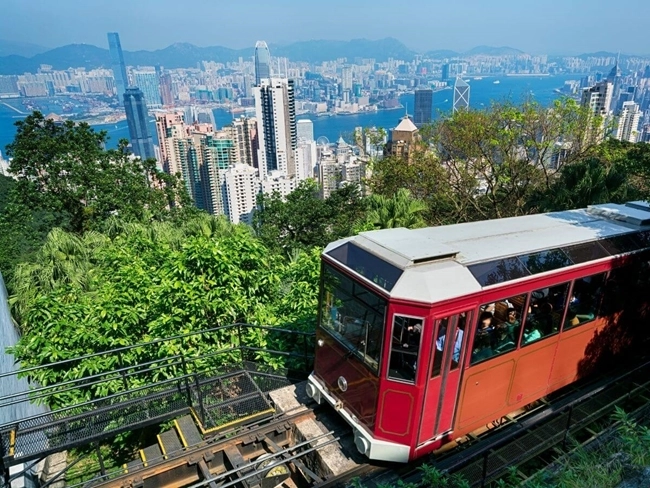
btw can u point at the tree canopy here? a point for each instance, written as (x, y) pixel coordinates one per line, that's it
(64, 169)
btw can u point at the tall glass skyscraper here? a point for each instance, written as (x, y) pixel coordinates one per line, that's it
(262, 62)
(147, 81)
(423, 106)
(136, 117)
(461, 95)
(117, 63)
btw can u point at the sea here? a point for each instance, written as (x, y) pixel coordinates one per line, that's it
(482, 92)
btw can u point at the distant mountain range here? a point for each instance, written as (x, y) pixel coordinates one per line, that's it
(26, 49)
(18, 58)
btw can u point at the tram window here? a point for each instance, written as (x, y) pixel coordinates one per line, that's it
(498, 271)
(405, 346)
(353, 315)
(544, 313)
(546, 261)
(588, 251)
(498, 328)
(368, 265)
(441, 339)
(585, 300)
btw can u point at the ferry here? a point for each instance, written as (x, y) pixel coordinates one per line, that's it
(496, 82)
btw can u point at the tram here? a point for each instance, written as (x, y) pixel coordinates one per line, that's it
(426, 335)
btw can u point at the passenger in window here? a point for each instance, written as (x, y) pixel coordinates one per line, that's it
(530, 333)
(486, 322)
(506, 333)
(458, 340)
(541, 317)
(411, 338)
(412, 344)
(482, 347)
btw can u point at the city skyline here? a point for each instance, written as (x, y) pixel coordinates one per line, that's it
(438, 25)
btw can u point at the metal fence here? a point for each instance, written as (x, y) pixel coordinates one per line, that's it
(217, 373)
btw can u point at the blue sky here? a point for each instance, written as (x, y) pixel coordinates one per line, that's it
(549, 26)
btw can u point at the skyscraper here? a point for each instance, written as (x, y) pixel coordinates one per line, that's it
(461, 95)
(136, 117)
(614, 77)
(305, 129)
(117, 63)
(262, 62)
(423, 106)
(346, 78)
(598, 98)
(166, 94)
(147, 81)
(628, 122)
(277, 132)
(445, 72)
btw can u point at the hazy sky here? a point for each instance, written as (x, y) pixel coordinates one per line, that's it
(550, 26)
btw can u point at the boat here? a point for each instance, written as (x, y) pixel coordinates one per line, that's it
(478, 77)
(496, 82)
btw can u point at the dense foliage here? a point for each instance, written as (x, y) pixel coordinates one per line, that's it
(64, 177)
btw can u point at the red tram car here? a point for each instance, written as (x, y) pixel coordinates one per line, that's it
(426, 335)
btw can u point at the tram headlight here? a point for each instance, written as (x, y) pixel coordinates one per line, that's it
(313, 392)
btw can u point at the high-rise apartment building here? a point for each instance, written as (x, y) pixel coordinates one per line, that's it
(423, 109)
(461, 95)
(598, 98)
(262, 62)
(170, 127)
(244, 135)
(136, 117)
(346, 78)
(277, 132)
(241, 188)
(305, 130)
(166, 94)
(117, 63)
(147, 81)
(627, 128)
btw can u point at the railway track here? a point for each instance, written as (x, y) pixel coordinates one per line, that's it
(263, 455)
(273, 451)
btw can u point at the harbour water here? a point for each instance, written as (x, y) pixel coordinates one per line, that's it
(483, 92)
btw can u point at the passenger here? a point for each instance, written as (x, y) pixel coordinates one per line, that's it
(458, 341)
(482, 349)
(486, 322)
(530, 333)
(541, 318)
(513, 323)
(503, 338)
(412, 344)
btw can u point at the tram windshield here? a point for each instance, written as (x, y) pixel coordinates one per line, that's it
(354, 315)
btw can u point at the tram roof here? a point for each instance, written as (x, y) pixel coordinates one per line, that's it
(437, 263)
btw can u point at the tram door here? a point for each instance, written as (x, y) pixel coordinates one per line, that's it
(444, 376)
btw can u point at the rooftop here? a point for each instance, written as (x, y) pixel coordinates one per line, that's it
(466, 254)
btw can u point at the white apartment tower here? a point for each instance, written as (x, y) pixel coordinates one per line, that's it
(242, 187)
(305, 130)
(598, 98)
(628, 122)
(277, 132)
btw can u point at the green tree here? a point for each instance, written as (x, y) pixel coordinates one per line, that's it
(584, 183)
(400, 210)
(303, 220)
(64, 169)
